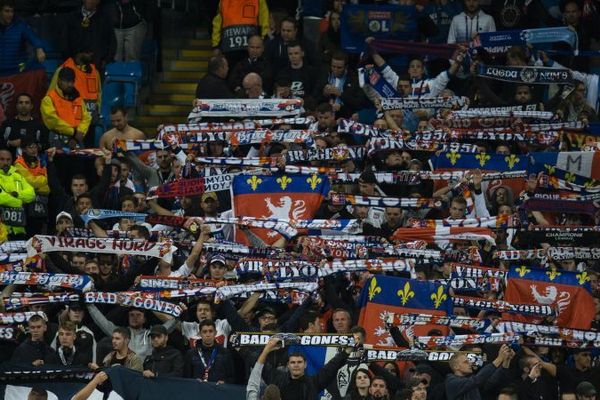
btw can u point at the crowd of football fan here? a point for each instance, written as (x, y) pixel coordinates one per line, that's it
(55, 190)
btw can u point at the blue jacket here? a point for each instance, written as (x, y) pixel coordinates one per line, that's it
(11, 45)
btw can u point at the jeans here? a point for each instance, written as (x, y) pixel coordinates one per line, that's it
(129, 42)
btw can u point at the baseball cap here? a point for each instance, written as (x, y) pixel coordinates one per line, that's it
(75, 305)
(265, 310)
(217, 258)
(63, 214)
(158, 330)
(585, 388)
(209, 195)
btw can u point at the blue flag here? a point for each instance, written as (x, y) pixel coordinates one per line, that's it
(386, 294)
(380, 21)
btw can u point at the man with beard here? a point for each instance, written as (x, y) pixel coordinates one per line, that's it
(64, 112)
(23, 125)
(120, 129)
(87, 79)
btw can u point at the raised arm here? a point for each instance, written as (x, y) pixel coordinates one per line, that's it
(87, 391)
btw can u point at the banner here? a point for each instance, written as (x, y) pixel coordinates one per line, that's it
(51, 280)
(526, 75)
(233, 138)
(567, 164)
(185, 129)
(445, 51)
(568, 206)
(546, 330)
(339, 153)
(227, 292)
(505, 111)
(33, 82)
(485, 222)
(44, 244)
(380, 354)
(286, 227)
(443, 235)
(245, 339)
(29, 264)
(446, 320)
(560, 235)
(371, 76)
(239, 249)
(502, 306)
(191, 187)
(125, 145)
(262, 162)
(568, 293)
(475, 271)
(316, 248)
(237, 108)
(151, 282)
(15, 303)
(420, 203)
(382, 145)
(62, 383)
(383, 295)
(97, 214)
(380, 21)
(357, 128)
(462, 340)
(411, 103)
(288, 197)
(490, 162)
(137, 301)
(521, 37)
(20, 318)
(275, 270)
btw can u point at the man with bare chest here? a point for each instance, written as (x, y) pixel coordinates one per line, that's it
(121, 129)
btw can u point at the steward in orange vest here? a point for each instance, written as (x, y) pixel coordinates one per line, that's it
(236, 21)
(30, 167)
(63, 110)
(87, 80)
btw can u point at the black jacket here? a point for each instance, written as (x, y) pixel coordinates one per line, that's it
(79, 358)
(166, 361)
(98, 37)
(310, 385)
(353, 96)
(261, 66)
(544, 388)
(59, 199)
(29, 351)
(213, 87)
(221, 368)
(276, 53)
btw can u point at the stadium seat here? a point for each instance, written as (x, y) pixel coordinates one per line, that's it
(120, 87)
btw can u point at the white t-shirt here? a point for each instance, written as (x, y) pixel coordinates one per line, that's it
(191, 331)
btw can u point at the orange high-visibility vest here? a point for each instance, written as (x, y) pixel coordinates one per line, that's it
(38, 170)
(239, 12)
(70, 111)
(85, 82)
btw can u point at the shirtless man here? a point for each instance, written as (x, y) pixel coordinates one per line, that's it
(121, 129)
